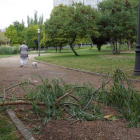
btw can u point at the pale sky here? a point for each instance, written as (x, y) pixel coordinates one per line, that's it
(16, 10)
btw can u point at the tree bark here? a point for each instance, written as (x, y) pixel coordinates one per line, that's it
(129, 45)
(91, 47)
(99, 47)
(71, 46)
(60, 47)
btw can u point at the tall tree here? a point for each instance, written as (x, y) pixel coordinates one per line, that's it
(117, 20)
(36, 20)
(20, 28)
(12, 34)
(3, 39)
(71, 22)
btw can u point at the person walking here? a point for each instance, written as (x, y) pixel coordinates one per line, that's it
(23, 54)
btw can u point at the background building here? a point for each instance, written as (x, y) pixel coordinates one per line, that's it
(93, 3)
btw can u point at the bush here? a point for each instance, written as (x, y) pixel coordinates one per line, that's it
(9, 50)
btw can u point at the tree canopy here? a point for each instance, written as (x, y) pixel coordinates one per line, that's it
(70, 22)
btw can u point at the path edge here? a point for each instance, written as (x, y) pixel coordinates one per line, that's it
(92, 73)
(25, 133)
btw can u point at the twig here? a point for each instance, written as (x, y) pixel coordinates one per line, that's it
(74, 122)
(15, 86)
(64, 96)
(74, 97)
(38, 116)
(94, 94)
(68, 94)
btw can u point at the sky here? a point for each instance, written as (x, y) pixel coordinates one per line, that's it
(16, 10)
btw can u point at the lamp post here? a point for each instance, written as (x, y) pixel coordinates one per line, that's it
(137, 56)
(38, 30)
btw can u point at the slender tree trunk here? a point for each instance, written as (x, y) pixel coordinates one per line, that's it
(73, 50)
(129, 45)
(116, 48)
(91, 47)
(111, 46)
(56, 49)
(60, 48)
(71, 46)
(79, 46)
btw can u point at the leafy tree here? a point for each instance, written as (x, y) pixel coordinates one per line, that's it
(12, 34)
(3, 39)
(99, 41)
(36, 21)
(117, 21)
(20, 28)
(71, 22)
(32, 36)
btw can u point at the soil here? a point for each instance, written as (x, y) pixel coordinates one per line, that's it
(11, 73)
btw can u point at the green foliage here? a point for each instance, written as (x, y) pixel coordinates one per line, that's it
(118, 20)
(57, 102)
(123, 97)
(70, 22)
(9, 50)
(12, 34)
(32, 36)
(3, 39)
(20, 28)
(36, 21)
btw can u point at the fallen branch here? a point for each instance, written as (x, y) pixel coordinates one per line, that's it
(65, 95)
(15, 86)
(94, 94)
(22, 102)
(74, 97)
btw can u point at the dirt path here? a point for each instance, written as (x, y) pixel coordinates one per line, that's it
(11, 72)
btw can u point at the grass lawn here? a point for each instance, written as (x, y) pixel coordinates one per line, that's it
(92, 60)
(7, 129)
(1, 56)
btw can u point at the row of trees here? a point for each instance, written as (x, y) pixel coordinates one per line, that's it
(114, 21)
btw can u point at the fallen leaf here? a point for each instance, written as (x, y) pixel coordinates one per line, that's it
(108, 116)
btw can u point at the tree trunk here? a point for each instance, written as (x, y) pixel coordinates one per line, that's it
(99, 47)
(71, 46)
(79, 46)
(56, 49)
(129, 45)
(91, 47)
(60, 47)
(120, 47)
(111, 45)
(73, 50)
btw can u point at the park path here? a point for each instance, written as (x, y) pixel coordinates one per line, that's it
(12, 73)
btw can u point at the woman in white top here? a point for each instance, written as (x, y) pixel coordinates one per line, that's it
(23, 54)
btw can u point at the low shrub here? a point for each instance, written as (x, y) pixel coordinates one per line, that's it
(8, 50)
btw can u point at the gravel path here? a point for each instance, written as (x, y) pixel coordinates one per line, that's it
(11, 72)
